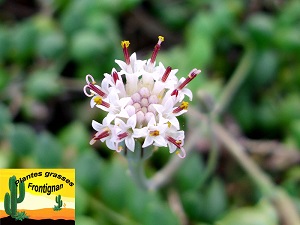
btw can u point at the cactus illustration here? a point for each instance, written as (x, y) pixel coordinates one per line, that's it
(11, 200)
(59, 203)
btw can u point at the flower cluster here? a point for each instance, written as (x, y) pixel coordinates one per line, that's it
(142, 102)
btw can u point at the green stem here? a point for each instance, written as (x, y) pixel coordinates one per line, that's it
(235, 82)
(136, 163)
(138, 174)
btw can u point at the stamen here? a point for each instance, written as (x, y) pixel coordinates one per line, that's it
(125, 45)
(154, 133)
(190, 77)
(115, 76)
(100, 135)
(91, 85)
(177, 143)
(156, 49)
(166, 74)
(183, 153)
(105, 133)
(122, 135)
(175, 92)
(119, 148)
(183, 106)
(99, 101)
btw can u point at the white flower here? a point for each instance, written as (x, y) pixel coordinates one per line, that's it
(154, 133)
(142, 101)
(127, 132)
(106, 132)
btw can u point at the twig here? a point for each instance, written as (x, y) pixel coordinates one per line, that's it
(278, 156)
(166, 174)
(176, 206)
(235, 82)
(282, 200)
(213, 153)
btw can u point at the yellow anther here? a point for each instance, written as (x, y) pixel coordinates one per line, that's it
(120, 148)
(154, 133)
(184, 105)
(125, 44)
(98, 100)
(178, 142)
(169, 124)
(177, 152)
(94, 82)
(161, 38)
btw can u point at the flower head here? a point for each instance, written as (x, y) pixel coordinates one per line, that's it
(142, 101)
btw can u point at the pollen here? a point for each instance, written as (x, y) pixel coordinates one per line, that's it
(161, 38)
(179, 142)
(120, 148)
(169, 124)
(125, 44)
(184, 105)
(98, 100)
(154, 133)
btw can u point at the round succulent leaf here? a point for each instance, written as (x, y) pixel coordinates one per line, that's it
(22, 139)
(261, 214)
(48, 151)
(90, 169)
(43, 85)
(75, 135)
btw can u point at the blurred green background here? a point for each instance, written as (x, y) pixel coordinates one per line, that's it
(47, 48)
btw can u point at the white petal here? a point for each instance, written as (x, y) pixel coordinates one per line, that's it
(92, 102)
(120, 123)
(158, 87)
(110, 144)
(188, 93)
(97, 126)
(130, 143)
(107, 120)
(172, 148)
(152, 122)
(138, 133)
(130, 110)
(168, 105)
(160, 141)
(159, 108)
(121, 63)
(148, 141)
(123, 113)
(131, 122)
(124, 101)
(174, 121)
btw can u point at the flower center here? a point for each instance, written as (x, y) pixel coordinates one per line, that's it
(154, 133)
(143, 102)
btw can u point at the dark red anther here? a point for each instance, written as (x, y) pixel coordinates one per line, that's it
(102, 135)
(190, 77)
(156, 49)
(175, 92)
(122, 135)
(97, 90)
(125, 45)
(174, 142)
(115, 76)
